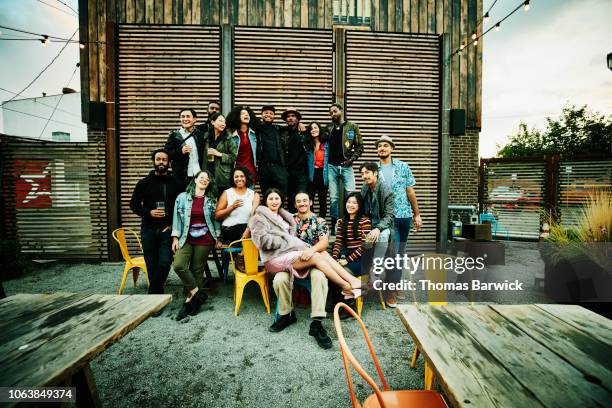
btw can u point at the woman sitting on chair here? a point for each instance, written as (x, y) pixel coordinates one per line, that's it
(194, 232)
(273, 232)
(351, 231)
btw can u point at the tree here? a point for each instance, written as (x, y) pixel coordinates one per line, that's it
(577, 131)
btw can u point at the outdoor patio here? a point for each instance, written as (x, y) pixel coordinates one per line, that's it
(216, 359)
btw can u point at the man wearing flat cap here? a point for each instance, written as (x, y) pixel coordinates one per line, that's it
(296, 162)
(397, 175)
(271, 156)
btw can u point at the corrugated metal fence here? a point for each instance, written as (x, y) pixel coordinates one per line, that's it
(519, 192)
(54, 198)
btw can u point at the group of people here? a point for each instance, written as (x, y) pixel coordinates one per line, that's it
(209, 200)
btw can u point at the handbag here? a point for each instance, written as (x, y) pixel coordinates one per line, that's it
(198, 230)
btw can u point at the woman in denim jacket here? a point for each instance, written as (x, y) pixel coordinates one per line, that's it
(194, 233)
(317, 152)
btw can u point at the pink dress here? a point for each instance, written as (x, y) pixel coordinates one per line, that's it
(284, 263)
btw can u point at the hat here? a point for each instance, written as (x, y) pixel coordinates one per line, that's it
(291, 110)
(268, 107)
(385, 138)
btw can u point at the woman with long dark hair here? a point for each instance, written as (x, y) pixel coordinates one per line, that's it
(317, 155)
(194, 233)
(351, 231)
(242, 124)
(221, 153)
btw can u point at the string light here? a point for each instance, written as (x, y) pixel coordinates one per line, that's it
(526, 5)
(475, 43)
(45, 40)
(486, 18)
(497, 27)
(474, 35)
(82, 45)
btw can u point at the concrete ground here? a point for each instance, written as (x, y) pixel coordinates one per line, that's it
(217, 360)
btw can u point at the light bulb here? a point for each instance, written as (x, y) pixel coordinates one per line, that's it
(474, 35)
(526, 7)
(486, 18)
(497, 27)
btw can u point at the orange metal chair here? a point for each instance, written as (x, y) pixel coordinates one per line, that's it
(386, 397)
(131, 264)
(252, 272)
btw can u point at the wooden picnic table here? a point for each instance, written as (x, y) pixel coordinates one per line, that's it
(49, 339)
(524, 356)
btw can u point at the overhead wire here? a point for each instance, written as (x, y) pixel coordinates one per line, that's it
(58, 102)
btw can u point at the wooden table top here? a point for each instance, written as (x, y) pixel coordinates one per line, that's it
(46, 338)
(523, 356)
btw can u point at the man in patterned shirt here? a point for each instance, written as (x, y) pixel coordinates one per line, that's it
(313, 230)
(397, 175)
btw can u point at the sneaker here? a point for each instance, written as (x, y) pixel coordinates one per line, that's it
(391, 300)
(283, 322)
(318, 332)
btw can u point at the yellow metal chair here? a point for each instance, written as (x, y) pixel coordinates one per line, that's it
(131, 264)
(252, 272)
(436, 298)
(359, 301)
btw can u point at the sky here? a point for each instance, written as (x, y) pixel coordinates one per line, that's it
(542, 60)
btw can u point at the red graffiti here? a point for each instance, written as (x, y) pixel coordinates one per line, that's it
(33, 184)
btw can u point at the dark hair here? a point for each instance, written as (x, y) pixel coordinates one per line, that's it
(308, 143)
(215, 102)
(233, 118)
(211, 190)
(302, 192)
(214, 116)
(159, 151)
(372, 166)
(193, 112)
(268, 192)
(337, 105)
(346, 218)
(247, 174)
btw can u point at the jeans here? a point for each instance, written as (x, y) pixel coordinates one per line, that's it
(317, 186)
(402, 229)
(157, 248)
(335, 174)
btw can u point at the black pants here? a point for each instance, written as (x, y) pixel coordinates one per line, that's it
(318, 187)
(297, 183)
(157, 248)
(273, 176)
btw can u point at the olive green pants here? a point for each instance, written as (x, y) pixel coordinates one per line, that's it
(189, 264)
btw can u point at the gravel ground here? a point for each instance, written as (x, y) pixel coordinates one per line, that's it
(217, 360)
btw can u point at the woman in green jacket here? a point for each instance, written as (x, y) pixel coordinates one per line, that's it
(221, 153)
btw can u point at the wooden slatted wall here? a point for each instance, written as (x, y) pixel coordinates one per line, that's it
(54, 198)
(284, 67)
(162, 69)
(393, 88)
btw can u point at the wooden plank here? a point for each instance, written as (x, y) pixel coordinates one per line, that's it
(213, 12)
(440, 16)
(102, 51)
(329, 13)
(167, 12)
(111, 10)
(121, 13)
(287, 13)
(431, 16)
(130, 11)
(242, 12)
(390, 26)
(158, 12)
(468, 372)
(423, 16)
(13, 310)
(269, 13)
(582, 319)
(455, 25)
(70, 340)
(150, 11)
(399, 16)
(478, 73)
(383, 15)
(304, 20)
(414, 16)
(196, 12)
(296, 13)
(320, 14)
(586, 352)
(94, 74)
(535, 366)
(406, 16)
(471, 68)
(139, 12)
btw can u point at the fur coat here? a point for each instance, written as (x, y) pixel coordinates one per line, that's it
(270, 236)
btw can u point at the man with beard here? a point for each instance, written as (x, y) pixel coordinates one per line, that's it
(271, 153)
(213, 106)
(397, 175)
(296, 158)
(378, 202)
(345, 146)
(153, 201)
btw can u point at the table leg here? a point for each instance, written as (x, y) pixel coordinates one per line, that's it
(86, 389)
(429, 377)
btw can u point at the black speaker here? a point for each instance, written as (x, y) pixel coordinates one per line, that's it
(457, 122)
(97, 115)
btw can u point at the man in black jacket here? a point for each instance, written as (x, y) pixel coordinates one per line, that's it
(188, 148)
(296, 158)
(271, 153)
(153, 201)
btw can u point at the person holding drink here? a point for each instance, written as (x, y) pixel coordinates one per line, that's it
(221, 153)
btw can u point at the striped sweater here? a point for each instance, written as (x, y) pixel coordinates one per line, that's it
(354, 242)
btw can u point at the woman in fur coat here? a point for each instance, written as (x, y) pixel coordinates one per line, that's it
(273, 233)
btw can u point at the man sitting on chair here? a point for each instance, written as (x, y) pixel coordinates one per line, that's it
(313, 230)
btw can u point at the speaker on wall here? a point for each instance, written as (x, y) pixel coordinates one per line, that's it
(97, 115)
(457, 122)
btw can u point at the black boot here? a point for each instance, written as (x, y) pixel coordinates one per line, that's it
(318, 332)
(196, 302)
(282, 322)
(184, 312)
